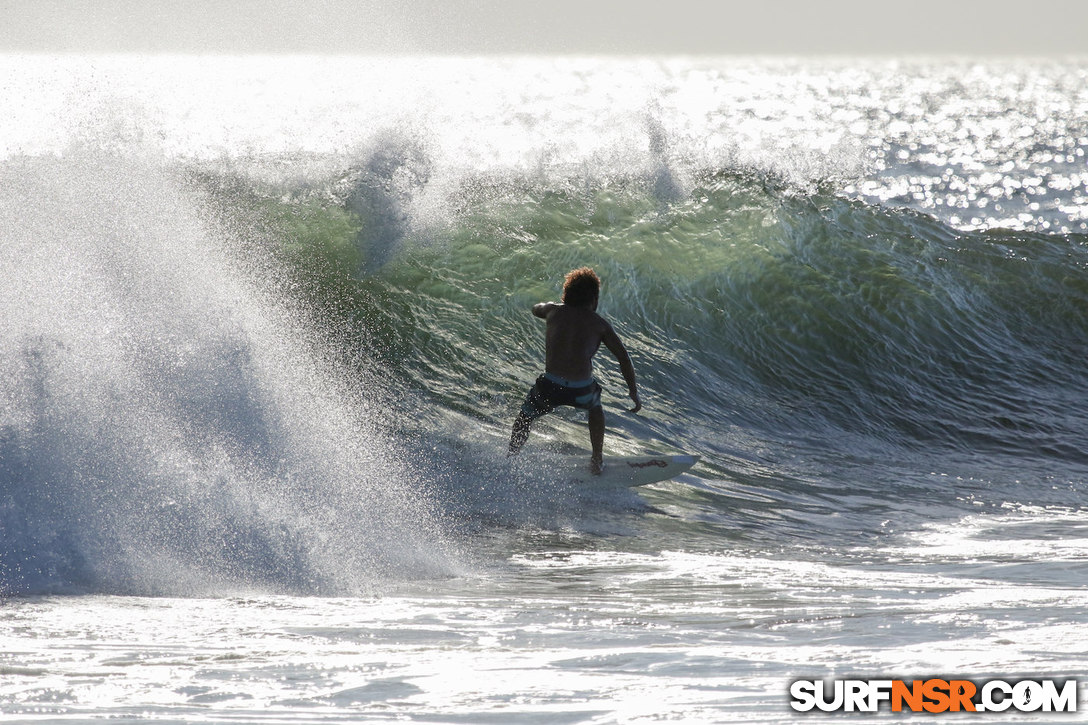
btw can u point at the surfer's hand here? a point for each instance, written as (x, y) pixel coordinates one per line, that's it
(638, 404)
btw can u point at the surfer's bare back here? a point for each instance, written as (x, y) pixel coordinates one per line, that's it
(573, 335)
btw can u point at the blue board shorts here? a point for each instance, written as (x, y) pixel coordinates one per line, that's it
(551, 391)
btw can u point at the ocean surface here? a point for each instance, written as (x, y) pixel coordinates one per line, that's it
(264, 326)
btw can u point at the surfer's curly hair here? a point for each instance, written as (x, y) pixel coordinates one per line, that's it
(581, 287)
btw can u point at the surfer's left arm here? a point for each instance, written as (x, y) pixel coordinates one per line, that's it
(612, 341)
(541, 309)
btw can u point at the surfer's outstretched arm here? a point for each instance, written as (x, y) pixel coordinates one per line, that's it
(541, 309)
(612, 341)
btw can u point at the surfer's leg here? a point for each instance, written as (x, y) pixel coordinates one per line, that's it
(596, 438)
(520, 433)
(536, 404)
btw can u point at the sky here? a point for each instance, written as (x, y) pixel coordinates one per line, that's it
(475, 27)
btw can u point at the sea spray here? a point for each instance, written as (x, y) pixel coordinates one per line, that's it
(169, 423)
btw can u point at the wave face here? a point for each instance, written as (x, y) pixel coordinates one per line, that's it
(807, 344)
(281, 348)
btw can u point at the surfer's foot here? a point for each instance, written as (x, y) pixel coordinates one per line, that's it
(596, 466)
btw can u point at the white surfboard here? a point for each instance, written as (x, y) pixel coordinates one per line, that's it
(628, 471)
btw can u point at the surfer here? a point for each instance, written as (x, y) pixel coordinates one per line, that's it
(573, 334)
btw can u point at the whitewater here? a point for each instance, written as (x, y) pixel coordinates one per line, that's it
(266, 324)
